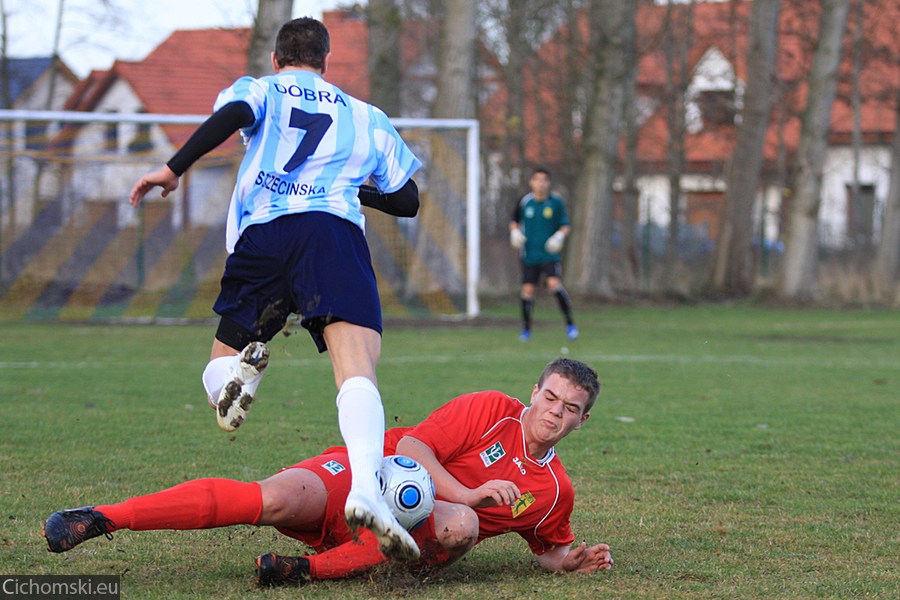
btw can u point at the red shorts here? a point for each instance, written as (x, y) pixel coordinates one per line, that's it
(333, 468)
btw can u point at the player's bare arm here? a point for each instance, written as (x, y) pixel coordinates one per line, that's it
(492, 493)
(579, 558)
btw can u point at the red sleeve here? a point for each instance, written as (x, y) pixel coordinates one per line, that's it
(391, 437)
(460, 424)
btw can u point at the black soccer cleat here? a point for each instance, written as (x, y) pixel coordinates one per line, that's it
(65, 529)
(272, 570)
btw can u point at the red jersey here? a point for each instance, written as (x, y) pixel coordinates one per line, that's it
(478, 437)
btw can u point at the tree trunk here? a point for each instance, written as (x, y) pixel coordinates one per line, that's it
(678, 39)
(861, 246)
(732, 267)
(514, 140)
(612, 30)
(7, 197)
(455, 100)
(270, 16)
(630, 192)
(797, 278)
(570, 83)
(385, 75)
(887, 259)
(456, 62)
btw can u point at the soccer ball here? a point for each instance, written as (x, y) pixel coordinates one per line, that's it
(408, 489)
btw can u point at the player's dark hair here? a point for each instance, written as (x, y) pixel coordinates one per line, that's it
(576, 372)
(302, 42)
(541, 170)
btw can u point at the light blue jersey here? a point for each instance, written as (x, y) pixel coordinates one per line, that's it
(310, 149)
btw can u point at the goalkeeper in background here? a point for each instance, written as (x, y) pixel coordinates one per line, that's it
(538, 228)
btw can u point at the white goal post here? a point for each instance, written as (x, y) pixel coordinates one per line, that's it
(80, 164)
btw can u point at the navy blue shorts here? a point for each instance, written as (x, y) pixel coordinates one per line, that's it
(314, 264)
(532, 273)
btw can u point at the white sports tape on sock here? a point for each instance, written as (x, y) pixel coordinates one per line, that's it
(357, 383)
(216, 374)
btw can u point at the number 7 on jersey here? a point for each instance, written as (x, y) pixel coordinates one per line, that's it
(315, 125)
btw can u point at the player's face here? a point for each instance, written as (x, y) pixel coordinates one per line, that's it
(540, 185)
(557, 409)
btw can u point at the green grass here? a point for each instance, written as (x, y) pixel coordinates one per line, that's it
(734, 452)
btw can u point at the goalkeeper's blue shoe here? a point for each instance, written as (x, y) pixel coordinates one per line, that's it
(65, 529)
(572, 332)
(272, 570)
(525, 336)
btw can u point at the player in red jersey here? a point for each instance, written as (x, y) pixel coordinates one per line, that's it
(494, 466)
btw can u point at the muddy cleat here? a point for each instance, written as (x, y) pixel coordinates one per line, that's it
(237, 395)
(272, 570)
(395, 542)
(65, 529)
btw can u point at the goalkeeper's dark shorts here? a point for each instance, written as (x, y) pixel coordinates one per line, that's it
(314, 264)
(532, 273)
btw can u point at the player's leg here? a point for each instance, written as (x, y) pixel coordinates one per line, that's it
(526, 297)
(253, 304)
(354, 352)
(232, 376)
(445, 537)
(197, 504)
(449, 534)
(554, 284)
(325, 480)
(454, 528)
(333, 280)
(294, 499)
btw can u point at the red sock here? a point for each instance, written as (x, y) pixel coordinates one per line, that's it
(197, 504)
(433, 552)
(347, 559)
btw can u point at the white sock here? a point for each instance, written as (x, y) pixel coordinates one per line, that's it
(361, 420)
(217, 373)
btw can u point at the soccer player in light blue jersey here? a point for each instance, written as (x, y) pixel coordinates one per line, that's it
(296, 243)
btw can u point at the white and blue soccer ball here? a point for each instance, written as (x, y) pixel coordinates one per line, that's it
(408, 489)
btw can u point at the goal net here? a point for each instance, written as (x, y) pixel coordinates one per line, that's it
(72, 248)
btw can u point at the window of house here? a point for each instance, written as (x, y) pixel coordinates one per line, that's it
(717, 107)
(35, 135)
(111, 137)
(860, 216)
(141, 142)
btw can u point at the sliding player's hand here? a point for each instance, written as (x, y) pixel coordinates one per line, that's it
(587, 559)
(496, 492)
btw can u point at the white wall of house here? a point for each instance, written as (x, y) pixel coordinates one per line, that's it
(654, 194)
(106, 169)
(874, 169)
(37, 97)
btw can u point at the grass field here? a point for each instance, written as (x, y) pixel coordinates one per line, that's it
(734, 452)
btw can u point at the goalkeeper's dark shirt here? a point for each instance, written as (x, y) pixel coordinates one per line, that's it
(538, 220)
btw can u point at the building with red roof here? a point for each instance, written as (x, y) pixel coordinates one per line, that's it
(716, 69)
